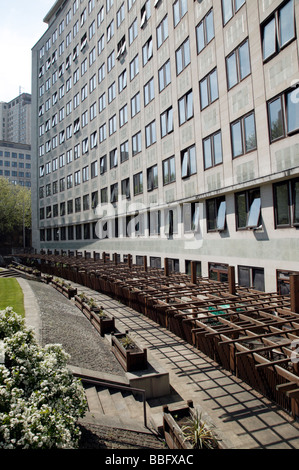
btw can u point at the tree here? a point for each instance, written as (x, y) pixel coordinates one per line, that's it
(15, 211)
(40, 400)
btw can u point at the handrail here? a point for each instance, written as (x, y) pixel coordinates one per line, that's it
(117, 387)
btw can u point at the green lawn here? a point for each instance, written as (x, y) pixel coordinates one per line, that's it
(11, 295)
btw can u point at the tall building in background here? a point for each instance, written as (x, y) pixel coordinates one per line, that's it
(15, 140)
(170, 129)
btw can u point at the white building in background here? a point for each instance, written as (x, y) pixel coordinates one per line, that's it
(15, 140)
(170, 129)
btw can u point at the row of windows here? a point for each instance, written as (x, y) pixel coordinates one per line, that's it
(12, 164)
(21, 156)
(247, 207)
(283, 120)
(16, 174)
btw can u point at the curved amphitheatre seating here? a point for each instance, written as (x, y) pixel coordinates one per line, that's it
(254, 335)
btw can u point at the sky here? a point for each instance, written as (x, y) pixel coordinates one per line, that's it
(21, 26)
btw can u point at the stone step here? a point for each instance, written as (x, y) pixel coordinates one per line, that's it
(94, 404)
(120, 404)
(106, 402)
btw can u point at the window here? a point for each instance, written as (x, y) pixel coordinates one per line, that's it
(123, 115)
(180, 8)
(112, 125)
(212, 150)
(104, 195)
(162, 31)
(251, 277)
(243, 135)
(84, 145)
(103, 164)
(102, 102)
(171, 221)
(149, 91)
(205, 31)
(216, 213)
(191, 217)
(168, 170)
(218, 272)
(150, 134)
(78, 204)
(85, 174)
(122, 81)
(86, 202)
(70, 206)
(136, 143)
(164, 76)
(78, 229)
(182, 56)
(283, 281)
(188, 161)
(152, 178)
(283, 115)
(134, 67)
(114, 193)
(120, 15)
(248, 209)
(145, 13)
(133, 31)
(94, 169)
(278, 30)
(69, 181)
(94, 139)
(113, 158)
(110, 30)
(229, 8)
(135, 104)
(111, 61)
(124, 151)
(138, 183)
(101, 73)
(103, 133)
(94, 199)
(208, 88)
(186, 107)
(154, 222)
(77, 177)
(286, 203)
(147, 51)
(166, 122)
(101, 44)
(111, 92)
(238, 65)
(125, 188)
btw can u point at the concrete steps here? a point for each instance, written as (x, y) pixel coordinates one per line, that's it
(7, 273)
(109, 402)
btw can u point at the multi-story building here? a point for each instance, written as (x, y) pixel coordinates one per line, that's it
(15, 163)
(170, 129)
(15, 118)
(15, 140)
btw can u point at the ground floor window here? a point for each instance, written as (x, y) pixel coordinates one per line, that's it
(251, 277)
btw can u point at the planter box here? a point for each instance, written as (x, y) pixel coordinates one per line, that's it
(130, 359)
(69, 292)
(173, 420)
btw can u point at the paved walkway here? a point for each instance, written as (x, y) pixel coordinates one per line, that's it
(243, 418)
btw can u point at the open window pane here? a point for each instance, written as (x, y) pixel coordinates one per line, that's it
(254, 213)
(221, 216)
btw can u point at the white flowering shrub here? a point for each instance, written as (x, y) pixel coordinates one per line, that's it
(40, 400)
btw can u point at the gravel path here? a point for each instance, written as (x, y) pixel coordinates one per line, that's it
(63, 323)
